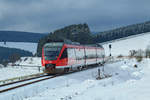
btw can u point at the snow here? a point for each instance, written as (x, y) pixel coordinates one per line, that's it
(122, 47)
(124, 86)
(126, 83)
(29, 61)
(1, 66)
(25, 66)
(32, 47)
(16, 71)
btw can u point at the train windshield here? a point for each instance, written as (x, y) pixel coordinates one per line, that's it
(51, 53)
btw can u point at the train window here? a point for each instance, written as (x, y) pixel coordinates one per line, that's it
(64, 54)
(51, 53)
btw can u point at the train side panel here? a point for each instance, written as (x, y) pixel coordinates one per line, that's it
(80, 56)
(71, 57)
(90, 55)
(100, 55)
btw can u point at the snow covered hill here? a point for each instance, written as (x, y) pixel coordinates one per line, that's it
(123, 46)
(32, 47)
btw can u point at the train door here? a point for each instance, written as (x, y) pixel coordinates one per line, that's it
(71, 57)
(64, 58)
(90, 56)
(80, 56)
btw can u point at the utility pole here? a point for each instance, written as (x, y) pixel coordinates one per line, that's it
(110, 49)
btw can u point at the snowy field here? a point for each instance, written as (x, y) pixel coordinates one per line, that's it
(29, 61)
(26, 66)
(16, 71)
(126, 83)
(124, 46)
(32, 47)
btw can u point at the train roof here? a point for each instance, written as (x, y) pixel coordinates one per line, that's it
(95, 45)
(60, 42)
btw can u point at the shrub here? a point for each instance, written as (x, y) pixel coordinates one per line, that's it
(139, 58)
(147, 53)
(132, 53)
(120, 56)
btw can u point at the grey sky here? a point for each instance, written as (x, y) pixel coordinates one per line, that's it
(48, 15)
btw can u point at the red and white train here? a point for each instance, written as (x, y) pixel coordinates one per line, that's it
(60, 56)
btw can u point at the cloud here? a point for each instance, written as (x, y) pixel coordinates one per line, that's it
(48, 15)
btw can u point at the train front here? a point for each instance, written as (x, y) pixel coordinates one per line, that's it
(50, 54)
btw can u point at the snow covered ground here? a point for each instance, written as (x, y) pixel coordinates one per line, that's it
(1, 66)
(32, 47)
(26, 66)
(16, 71)
(29, 61)
(131, 43)
(126, 83)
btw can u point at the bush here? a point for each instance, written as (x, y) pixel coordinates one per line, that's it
(139, 54)
(132, 53)
(139, 58)
(147, 53)
(120, 56)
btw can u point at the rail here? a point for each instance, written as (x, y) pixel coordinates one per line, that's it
(15, 79)
(30, 77)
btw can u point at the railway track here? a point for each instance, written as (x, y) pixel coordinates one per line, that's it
(17, 84)
(22, 83)
(15, 79)
(23, 80)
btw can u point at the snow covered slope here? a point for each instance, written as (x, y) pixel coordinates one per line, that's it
(21, 45)
(123, 46)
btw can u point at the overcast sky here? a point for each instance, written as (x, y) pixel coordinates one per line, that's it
(48, 15)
